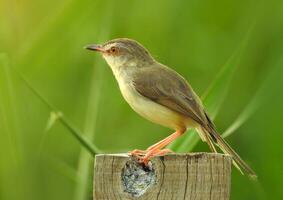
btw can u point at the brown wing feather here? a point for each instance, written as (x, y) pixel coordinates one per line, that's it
(166, 87)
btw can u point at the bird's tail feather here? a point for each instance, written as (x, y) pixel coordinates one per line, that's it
(205, 137)
(243, 167)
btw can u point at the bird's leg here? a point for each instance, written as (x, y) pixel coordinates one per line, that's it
(160, 142)
(156, 148)
(139, 153)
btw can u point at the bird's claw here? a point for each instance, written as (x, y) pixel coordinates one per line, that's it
(137, 153)
(144, 156)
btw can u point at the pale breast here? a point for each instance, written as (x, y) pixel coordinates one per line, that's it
(150, 110)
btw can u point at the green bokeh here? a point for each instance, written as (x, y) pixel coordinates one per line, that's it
(44, 40)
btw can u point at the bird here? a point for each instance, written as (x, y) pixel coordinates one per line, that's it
(162, 96)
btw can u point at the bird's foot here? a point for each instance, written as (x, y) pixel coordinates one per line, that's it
(145, 156)
(137, 153)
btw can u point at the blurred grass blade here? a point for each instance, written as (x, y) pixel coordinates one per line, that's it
(85, 160)
(243, 117)
(8, 114)
(215, 95)
(75, 132)
(84, 165)
(217, 91)
(65, 14)
(189, 142)
(59, 166)
(259, 98)
(54, 116)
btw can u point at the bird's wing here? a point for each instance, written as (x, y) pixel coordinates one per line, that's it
(166, 87)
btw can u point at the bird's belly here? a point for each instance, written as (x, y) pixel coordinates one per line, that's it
(152, 111)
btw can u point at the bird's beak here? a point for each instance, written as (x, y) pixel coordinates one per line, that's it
(94, 47)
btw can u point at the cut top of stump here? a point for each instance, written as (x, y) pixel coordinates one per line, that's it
(174, 176)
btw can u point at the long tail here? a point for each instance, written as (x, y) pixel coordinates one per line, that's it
(226, 148)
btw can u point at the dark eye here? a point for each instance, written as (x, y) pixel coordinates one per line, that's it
(113, 49)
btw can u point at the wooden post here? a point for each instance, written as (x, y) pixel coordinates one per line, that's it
(194, 176)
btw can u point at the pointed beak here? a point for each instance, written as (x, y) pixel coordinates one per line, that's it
(94, 47)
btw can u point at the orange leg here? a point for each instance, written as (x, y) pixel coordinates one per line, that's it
(139, 153)
(156, 148)
(161, 142)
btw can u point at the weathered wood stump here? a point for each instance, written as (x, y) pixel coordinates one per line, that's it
(194, 176)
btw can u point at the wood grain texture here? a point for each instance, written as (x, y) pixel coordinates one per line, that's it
(195, 176)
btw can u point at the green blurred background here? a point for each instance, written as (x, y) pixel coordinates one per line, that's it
(44, 41)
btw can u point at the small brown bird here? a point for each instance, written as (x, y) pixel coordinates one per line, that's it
(162, 96)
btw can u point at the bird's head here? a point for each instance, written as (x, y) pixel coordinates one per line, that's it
(123, 52)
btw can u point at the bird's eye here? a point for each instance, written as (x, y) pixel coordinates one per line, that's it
(113, 49)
